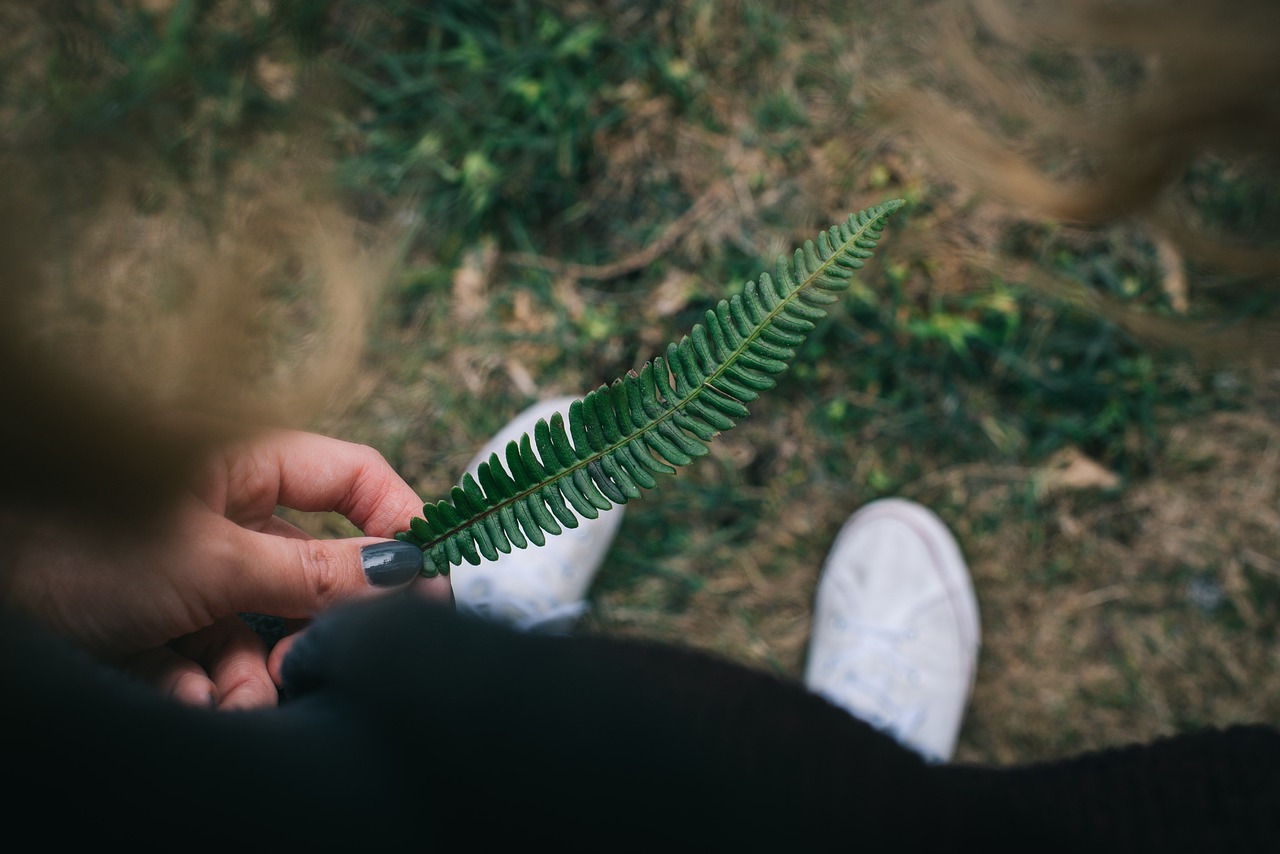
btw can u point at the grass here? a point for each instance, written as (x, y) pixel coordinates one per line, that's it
(1115, 498)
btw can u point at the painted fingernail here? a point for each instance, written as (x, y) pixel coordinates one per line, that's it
(391, 564)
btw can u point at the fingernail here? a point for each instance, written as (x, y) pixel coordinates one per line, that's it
(391, 564)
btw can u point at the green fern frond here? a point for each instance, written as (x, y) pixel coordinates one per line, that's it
(621, 436)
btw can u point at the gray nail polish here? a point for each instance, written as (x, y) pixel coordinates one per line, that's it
(391, 564)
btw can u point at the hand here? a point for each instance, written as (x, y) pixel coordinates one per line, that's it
(163, 602)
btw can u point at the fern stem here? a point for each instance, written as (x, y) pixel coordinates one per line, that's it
(674, 406)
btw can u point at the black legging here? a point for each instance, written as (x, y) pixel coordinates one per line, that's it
(407, 725)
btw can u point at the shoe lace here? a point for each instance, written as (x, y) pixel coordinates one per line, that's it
(867, 692)
(851, 685)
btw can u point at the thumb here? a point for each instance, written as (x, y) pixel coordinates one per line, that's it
(297, 578)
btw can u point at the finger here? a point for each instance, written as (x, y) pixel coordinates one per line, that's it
(278, 654)
(309, 472)
(298, 578)
(175, 676)
(235, 658)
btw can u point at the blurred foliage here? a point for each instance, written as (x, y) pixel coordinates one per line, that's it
(488, 114)
(487, 117)
(996, 376)
(185, 82)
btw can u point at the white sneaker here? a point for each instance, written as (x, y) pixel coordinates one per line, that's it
(538, 588)
(895, 627)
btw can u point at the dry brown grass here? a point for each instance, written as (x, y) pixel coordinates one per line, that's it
(1110, 614)
(1116, 618)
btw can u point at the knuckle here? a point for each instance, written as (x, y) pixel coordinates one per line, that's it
(370, 457)
(373, 492)
(324, 570)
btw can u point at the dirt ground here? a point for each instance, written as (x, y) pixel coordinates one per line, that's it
(1113, 610)
(1108, 616)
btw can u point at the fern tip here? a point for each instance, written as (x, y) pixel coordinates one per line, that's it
(884, 209)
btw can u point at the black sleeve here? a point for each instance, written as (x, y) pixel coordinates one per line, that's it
(404, 724)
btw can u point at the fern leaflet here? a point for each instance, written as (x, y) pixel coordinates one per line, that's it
(621, 436)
